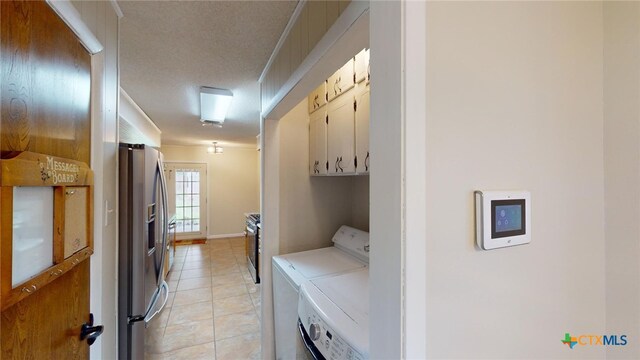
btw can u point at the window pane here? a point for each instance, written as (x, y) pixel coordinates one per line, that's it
(179, 175)
(187, 226)
(195, 187)
(179, 200)
(179, 213)
(187, 213)
(179, 226)
(179, 187)
(195, 213)
(187, 176)
(196, 176)
(196, 225)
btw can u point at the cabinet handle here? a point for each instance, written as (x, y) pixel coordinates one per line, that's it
(316, 104)
(337, 84)
(29, 289)
(366, 162)
(340, 164)
(336, 164)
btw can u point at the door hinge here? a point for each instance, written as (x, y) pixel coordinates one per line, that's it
(326, 165)
(327, 119)
(355, 161)
(355, 105)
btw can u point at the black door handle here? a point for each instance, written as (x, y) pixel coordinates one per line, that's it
(90, 332)
(366, 162)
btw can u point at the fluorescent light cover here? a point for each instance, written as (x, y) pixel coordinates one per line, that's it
(72, 18)
(214, 104)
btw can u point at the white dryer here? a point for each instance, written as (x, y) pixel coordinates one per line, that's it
(349, 253)
(333, 317)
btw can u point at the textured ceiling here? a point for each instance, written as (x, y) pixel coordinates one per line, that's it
(168, 49)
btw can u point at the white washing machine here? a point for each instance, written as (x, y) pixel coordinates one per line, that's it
(349, 253)
(333, 317)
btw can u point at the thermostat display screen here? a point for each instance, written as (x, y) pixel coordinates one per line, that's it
(507, 218)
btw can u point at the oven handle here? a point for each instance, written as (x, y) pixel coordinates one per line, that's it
(311, 347)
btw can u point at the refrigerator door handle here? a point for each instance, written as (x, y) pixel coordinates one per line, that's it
(165, 213)
(161, 295)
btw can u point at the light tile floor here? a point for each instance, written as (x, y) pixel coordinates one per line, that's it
(213, 311)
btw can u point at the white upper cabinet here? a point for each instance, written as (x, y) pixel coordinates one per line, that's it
(362, 128)
(318, 97)
(367, 56)
(361, 65)
(318, 143)
(341, 81)
(341, 135)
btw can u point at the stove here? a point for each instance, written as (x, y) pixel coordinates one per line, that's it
(253, 246)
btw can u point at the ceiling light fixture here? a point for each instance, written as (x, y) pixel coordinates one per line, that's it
(215, 149)
(214, 104)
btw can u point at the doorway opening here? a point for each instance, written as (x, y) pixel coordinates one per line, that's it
(187, 192)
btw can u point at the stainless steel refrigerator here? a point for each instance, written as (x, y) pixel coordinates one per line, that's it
(143, 232)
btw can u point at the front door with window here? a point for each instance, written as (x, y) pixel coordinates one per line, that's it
(187, 188)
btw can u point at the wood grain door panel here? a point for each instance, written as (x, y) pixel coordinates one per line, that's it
(45, 103)
(46, 325)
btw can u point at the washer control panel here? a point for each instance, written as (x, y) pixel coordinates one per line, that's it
(325, 339)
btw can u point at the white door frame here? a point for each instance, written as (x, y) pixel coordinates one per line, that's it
(170, 166)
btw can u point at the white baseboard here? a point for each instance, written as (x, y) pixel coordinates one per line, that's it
(221, 236)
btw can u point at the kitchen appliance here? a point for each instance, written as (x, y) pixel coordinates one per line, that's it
(253, 246)
(143, 231)
(171, 246)
(349, 253)
(333, 316)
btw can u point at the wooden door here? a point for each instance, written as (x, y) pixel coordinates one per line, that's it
(46, 112)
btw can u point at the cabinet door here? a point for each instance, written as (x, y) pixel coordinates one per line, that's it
(341, 81)
(362, 129)
(367, 57)
(318, 97)
(318, 143)
(341, 135)
(361, 66)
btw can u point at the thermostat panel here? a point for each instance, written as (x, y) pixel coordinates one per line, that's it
(503, 218)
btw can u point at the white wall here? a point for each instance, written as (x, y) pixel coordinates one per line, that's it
(515, 102)
(386, 177)
(102, 20)
(622, 173)
(233, 184)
